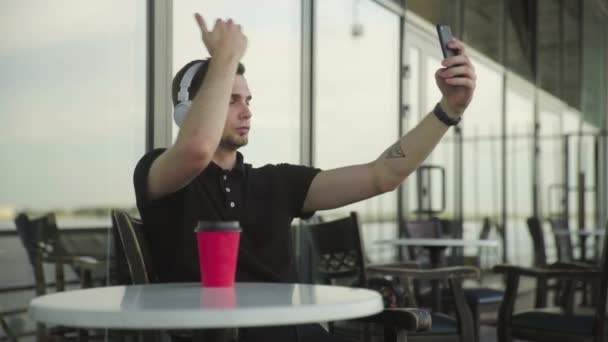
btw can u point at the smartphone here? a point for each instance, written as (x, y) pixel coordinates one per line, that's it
(445, 36)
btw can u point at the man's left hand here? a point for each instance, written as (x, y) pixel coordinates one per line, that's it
(456, 80)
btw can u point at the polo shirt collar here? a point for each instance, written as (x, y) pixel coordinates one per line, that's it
(239, 166)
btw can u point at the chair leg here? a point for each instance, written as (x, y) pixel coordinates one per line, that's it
(503, 333)
(41, 333)
(541, 293)
(7, 329)
(390, 333)
(59, 277)
(83, 335)
(401, 336)
(86, 279)
(476, 325)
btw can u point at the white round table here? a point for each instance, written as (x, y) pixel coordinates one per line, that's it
(191, 306)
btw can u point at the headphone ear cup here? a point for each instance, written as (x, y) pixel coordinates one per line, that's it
(180, 111)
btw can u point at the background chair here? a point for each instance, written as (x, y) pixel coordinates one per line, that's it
(563, 291)
(340, 259)
(479, 299)
(5, 315)
(565, 251)
(44, 244)
(557, 324)
(132, 262)
(543, 286)
(485, 257)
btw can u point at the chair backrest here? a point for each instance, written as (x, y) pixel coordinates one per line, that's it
(422, 229)
(40, 236)
(486, 227)
(338, 251)
(538, 241)
(563, 242)
(132, 252)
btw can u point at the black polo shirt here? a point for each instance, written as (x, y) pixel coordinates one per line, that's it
(264, 201)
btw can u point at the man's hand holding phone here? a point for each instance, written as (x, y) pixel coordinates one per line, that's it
(456, 80)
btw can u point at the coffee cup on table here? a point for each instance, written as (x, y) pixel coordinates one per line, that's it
(218, 246)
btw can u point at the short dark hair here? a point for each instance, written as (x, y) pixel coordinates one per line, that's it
(198, 78)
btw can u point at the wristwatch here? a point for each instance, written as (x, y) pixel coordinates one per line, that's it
(444, 117)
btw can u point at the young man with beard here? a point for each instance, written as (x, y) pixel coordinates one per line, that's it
(202, 176)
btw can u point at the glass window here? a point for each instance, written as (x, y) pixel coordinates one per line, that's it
(356, 98)
(482, 132)
(444, 154)
(482, 26)
(72, 98)
(424, 188)
(571, 73)
(551, 165)
(519, 159)
(73, 103)
(549, 48)
(594, 65)
(272, 63)
(520, 27)
(438, 11)
(582, 163)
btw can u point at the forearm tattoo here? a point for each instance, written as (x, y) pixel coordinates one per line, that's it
(394, 151)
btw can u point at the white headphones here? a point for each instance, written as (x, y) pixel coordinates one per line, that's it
(183, 96)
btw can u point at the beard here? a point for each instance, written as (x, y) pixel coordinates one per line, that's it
(233, 143)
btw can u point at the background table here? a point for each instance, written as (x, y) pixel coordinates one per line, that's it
(190, 306)
(583, 235)
(435, 246)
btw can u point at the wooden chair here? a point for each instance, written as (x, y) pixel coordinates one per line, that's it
(542, 324)
(132, 263)
(341, 260)
(45, 245)
(543, 286)
(563, 291)
(10, 334)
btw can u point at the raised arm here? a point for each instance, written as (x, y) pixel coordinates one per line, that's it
(201, 131)
(342, 186)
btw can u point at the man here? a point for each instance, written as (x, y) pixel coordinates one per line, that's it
(203, 177)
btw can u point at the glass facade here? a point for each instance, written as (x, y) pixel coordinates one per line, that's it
(481, 156)
(557, 51)
(594, 64)
(73, 104)
(272, 63)
(348, 91)
(73, 109)
(439, 11)
(519, 158)
(571, 63)
(486, 14)
(550, 45)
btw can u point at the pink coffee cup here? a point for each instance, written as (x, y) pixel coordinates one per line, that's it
(218, 247)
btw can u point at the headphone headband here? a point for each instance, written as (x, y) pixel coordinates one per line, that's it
(183, 95)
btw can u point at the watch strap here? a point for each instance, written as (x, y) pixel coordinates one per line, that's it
(444, 117)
